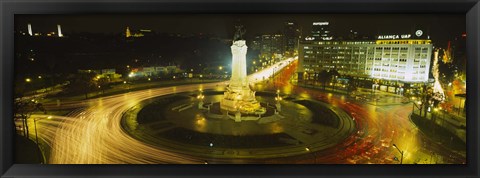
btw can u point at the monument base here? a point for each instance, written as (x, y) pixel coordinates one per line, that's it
(242, 100)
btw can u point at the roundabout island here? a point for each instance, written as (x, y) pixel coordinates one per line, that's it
(193, 124)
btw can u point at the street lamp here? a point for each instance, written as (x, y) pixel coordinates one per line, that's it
(374, 86)
(401, 153)
(273, 76)
(305, 78)
(313, 154)
(200, 98)
(36, 133)
(277, 102)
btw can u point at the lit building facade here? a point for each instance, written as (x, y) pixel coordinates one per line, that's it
(321, 31)
(136, 34)
(291, 33)
(153, 71)
(394, 60)
(270, 45)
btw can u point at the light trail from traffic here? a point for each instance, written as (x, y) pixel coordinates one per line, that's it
(264, 74)
(93, 134)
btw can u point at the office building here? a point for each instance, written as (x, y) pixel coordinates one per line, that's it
(391, 59)
(291, 33)
(321, 31)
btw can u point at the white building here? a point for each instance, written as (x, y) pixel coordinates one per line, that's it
(153, 71)
(401, 60)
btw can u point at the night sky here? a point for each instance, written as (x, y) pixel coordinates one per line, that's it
(441, 28)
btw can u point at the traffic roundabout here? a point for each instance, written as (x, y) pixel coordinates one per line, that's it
(192, 123)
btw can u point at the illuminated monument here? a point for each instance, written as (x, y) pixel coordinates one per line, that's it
(59, 28)
(30, 32)
(239, 98)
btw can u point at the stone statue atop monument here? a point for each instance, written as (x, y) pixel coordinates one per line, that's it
(239, 33)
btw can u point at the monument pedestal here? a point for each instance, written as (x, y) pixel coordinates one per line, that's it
(243, 101)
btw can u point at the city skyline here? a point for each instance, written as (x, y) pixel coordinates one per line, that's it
(441, 28)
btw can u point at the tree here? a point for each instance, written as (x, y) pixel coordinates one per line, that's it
(426, 99)
(103, 84)
(82, 83)
(323, 77)
(352, 83)
(333, 75)
(23, 109)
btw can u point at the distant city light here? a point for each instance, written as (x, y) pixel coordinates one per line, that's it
(28, 80)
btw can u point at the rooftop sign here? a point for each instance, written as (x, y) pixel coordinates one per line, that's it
(320, 23)
(392, 37)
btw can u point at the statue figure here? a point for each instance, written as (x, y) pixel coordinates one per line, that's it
(239, 32)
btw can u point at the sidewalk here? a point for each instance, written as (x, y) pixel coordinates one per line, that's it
(377, 98)
(438, 133)
(380, 98)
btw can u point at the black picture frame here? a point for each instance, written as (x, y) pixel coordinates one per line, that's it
(8, 8)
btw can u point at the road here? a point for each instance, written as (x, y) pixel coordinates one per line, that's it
(92, 133)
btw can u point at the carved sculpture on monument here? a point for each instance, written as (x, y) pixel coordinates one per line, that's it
(239, 97)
